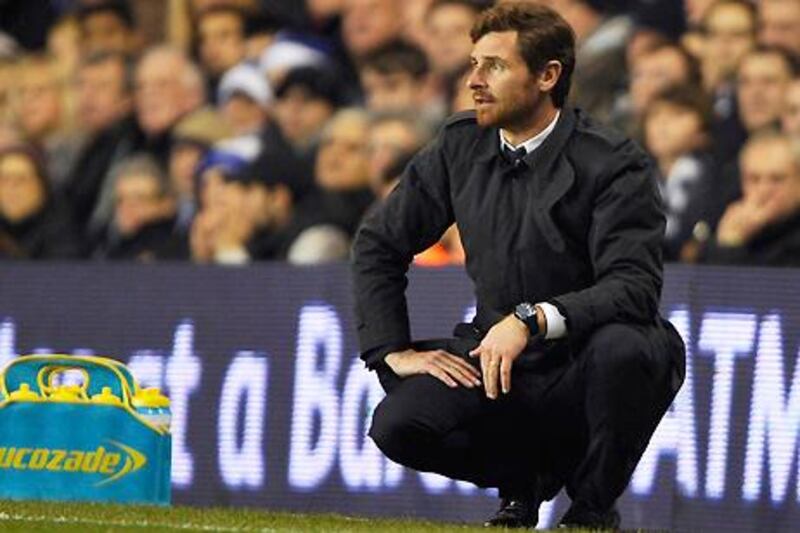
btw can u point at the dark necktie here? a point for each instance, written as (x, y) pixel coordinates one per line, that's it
(515, 157)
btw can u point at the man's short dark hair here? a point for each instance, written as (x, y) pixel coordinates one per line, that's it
(542, 36)
(318, 82)
(108, 56)
(397, 56)
(690, 97)
(119, 8)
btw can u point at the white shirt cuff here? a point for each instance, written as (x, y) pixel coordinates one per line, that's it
(556, 323)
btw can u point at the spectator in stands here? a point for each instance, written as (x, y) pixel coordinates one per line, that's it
(763, 228)
(168, 86)
(33, 224)
(392, 137)
(600, 69)
(221, 42)
(370, 24)
(448, 23)
(764, 75)
(193, 137)
(144, 215)
(108, 25)
(244, 99)
(395, 78)
(216, 224)
(662, 66)
(305, 101)
(780, 24)
(730, 30)
(258, 218)
(104, 94)
(44, 116)
(677, 126)
(342, 170)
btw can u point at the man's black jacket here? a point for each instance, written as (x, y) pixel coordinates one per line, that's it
(579, 225)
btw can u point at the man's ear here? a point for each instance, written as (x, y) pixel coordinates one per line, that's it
(549, 76)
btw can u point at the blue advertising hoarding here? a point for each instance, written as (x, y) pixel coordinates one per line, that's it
(270, 402)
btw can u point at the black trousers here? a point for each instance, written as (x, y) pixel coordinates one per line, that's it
(583, 424)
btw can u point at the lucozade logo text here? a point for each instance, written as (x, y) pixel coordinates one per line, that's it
(113, 463)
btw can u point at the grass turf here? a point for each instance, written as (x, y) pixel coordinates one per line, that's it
(27, 517)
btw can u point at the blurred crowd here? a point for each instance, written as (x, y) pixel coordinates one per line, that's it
(233, 131)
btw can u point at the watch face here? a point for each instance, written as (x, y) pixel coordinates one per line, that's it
(525, 310)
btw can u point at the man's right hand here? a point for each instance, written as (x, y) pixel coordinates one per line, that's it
(444, 366)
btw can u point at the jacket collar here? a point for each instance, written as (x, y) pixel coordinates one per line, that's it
(543, 158)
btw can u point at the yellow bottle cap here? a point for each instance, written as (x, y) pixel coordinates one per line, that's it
(150, 397)
(105, 397)
(24, 393)
(66, 393)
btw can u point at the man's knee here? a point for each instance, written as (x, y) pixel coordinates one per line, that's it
(616, 348)
(393, 430)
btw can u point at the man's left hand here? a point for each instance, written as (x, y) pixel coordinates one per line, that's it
(498, 350)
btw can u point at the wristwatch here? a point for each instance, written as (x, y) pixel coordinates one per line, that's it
(526, 312)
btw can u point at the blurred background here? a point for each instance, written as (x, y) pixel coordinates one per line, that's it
(236, 131)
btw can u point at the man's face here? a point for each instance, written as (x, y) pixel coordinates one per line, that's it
(450, 44)
(102, 98)
(105, 31)
(654, 72)
(301, 115)
(395, 91)
(138, 202)
(39, 104)
(367, 24)
(243, 114)
(21, 192)
(342, 160)
(222, 43)
(389, 139)
(672, 130)
(763, 79)
(161, 97)
(770, 176)
(780, 24)
(504, 90)
(730, 35)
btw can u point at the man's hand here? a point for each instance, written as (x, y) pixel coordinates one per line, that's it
(498, 350)
(448, 368)
(743, 219)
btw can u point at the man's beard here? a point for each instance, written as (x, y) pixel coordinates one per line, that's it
(508, 115)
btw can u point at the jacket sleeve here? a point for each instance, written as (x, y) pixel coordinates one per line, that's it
(413, 217)
(625, 239)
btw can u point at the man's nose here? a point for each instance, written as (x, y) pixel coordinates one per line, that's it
(475, 79)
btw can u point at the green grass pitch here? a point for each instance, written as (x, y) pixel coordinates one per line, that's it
(16, 516)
